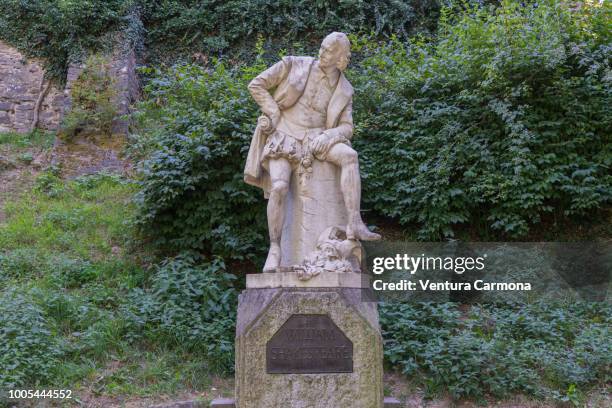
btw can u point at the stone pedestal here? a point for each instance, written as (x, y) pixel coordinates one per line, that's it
(312, 344)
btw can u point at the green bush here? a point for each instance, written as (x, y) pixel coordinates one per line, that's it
(206, 26)
(72, 273)
(197, 125)
(502, 123)
(29, 354)
(61, 32)
(49, 183)
(190, 305)
(20, 263)
(539, 349)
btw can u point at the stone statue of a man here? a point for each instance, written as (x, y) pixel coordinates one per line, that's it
(308, 116)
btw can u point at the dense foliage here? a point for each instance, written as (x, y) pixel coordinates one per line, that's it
(503, 122)
(207, 26)
(27, 353)
(67, 30)
(190, 306)
(197, 125)
(542, 349)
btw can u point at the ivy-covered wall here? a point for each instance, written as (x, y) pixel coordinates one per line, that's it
(64, 32)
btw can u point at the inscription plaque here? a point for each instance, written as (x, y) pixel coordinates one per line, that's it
(309, 344)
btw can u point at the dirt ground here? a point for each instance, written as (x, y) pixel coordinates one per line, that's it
(19, 166)
(18, 170)
(395, 385)
(89, 154)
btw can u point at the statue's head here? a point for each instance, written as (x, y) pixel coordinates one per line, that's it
(335, 51)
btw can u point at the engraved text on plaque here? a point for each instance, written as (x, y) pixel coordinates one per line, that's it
(308, 344)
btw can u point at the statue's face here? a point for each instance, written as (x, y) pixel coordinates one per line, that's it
(331, 55)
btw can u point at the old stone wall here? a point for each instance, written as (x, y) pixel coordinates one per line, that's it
(127, 83)
(23, 91)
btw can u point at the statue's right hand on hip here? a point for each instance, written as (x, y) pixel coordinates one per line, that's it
(268, 123)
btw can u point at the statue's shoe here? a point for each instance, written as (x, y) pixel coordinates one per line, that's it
(273, 259)
(359, 231)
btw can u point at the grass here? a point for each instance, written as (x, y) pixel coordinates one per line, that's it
(67, 247)
(144, 373)
(36, 138)
(84, 218)
(21, 158)
(68, 258)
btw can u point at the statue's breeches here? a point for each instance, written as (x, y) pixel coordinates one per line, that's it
(293, 148)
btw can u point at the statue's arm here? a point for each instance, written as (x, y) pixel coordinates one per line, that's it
(270, 78)
(344, 130)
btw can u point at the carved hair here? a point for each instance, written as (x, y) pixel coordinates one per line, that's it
(337, 39)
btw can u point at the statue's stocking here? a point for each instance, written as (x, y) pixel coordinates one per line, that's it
(350, 183)
(280, 172)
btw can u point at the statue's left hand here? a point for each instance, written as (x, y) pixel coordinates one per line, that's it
(319, 144)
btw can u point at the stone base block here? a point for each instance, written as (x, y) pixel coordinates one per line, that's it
(181, 404)
(269, 280)
(230, 403)
(392, 403)
(263, 381)
(223, 403)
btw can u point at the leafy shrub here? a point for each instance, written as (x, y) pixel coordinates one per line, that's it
(28, 352)
(60, 32)
(538, 349)
(50, 183)
(93, 96)
(503, 122)
(20, 263)
(73, 273)
(188, 305)
(197, 125)
(230, 27)
(487, 126)
(593, 351)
